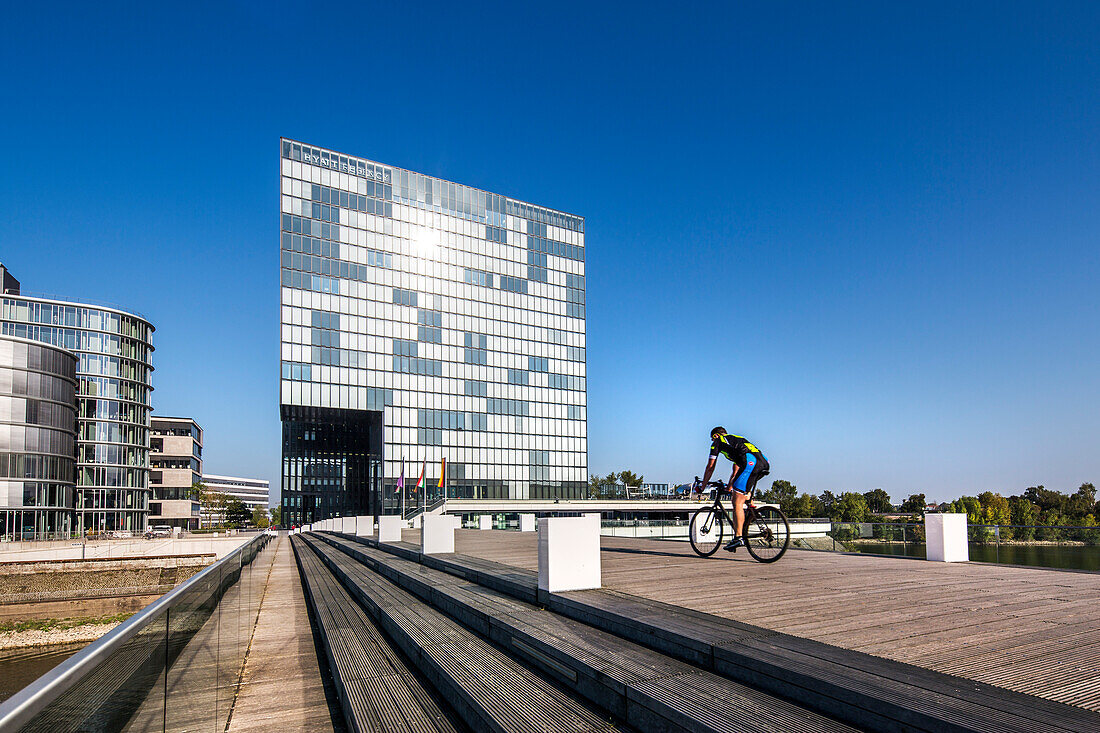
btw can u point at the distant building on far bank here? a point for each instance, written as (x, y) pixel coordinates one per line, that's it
(253, 492)
(176, 458)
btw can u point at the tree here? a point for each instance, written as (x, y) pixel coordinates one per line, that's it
(915, 503)
(1082, 502)
(214, 502)
(878, 501)
(260, 517)
(783, 493)
(1024, 516)
(995, 509)
(970, 506)
(276, 515)
(851, 507)
(629, 478)
(805, 506)
(593, 486)
(1046, 499)
(236, 513)
(198, 488)
(828, 502)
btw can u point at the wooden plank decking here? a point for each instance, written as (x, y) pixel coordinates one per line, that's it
(1024, 629)
(282, 687)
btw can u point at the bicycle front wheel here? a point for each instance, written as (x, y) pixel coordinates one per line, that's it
(767, 535)
(705, 531)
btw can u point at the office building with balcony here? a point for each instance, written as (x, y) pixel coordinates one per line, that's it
(175, 456)
(254, 493)
(37, 440)
(114, 371)
(424, 320)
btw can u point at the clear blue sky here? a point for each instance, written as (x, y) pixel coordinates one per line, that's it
(865, 236)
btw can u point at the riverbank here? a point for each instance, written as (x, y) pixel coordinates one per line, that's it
(50, 632)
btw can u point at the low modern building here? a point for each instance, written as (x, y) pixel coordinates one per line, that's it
(114, 389)
(37, 440)
(176, 457)
(252, 492)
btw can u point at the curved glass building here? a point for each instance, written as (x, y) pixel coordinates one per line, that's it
(114, 391)
(37, 439)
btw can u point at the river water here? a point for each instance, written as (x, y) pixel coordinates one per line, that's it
(20, 667)
(1071, 557)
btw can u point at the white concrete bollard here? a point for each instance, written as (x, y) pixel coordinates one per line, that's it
(348, 525)
(569, 553)
(389, 528)
(945, 535)
(485, 521)
(526, 522)
(364, 526)
(438, 534)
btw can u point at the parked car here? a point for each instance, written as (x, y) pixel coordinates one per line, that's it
(158, 530)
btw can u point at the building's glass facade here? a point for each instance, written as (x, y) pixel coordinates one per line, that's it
(37, 440)
(114, 389)
(453, 317)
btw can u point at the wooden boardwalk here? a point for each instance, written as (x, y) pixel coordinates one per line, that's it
(282, 687)
(1030, 630)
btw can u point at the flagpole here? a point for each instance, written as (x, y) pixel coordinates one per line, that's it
(401, 509)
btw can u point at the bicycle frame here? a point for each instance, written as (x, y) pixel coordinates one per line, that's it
(750, 507)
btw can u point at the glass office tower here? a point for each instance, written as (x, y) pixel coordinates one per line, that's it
(114, 388)
(424, 320)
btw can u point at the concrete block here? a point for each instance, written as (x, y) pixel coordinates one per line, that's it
(389, 528)
(364, 526)
(485, 521)
(526, 522)
(438, 535)
(569, 553)
(946, 537)
(347, 525)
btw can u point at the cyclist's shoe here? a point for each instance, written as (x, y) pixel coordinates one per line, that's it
(733, 544)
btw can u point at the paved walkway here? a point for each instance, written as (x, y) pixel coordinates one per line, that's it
(282, 687)
(1031, 630)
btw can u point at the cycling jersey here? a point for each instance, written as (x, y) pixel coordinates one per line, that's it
(750, 461)
(735, 448)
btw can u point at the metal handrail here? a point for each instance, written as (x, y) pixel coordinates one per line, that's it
(33, 699)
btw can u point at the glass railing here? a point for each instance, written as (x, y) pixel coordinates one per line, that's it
(1075, 547)
(175, 665)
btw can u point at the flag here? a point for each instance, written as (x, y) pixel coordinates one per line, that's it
(443, 474)
(420, 481)
(401, 478)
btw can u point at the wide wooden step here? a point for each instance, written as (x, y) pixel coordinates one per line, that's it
(490, 690)
(645, 688)
(378, 690)
(859, 688)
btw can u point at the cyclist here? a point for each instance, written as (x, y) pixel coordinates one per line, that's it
(749, 464)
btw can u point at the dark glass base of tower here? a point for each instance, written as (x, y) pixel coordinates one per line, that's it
(332, 463)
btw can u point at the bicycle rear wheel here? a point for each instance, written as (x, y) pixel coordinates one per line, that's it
(767, 535)
(705, 531)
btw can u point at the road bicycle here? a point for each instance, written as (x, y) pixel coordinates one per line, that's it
(766, 530)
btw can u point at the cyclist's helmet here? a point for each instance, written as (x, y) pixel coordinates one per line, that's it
(718, 430)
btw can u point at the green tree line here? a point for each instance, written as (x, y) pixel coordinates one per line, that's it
(1037, 506)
